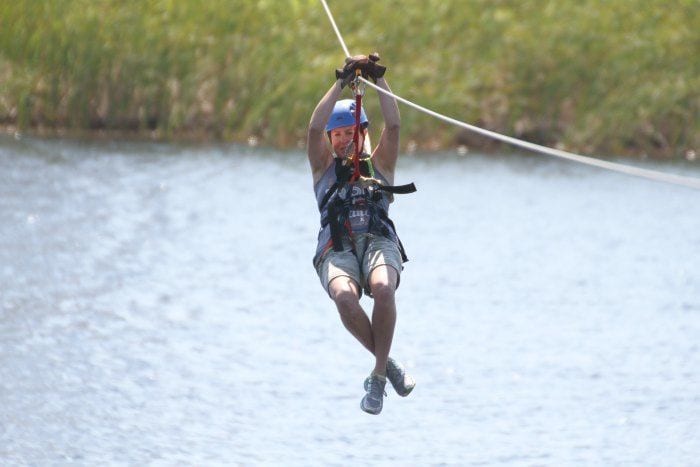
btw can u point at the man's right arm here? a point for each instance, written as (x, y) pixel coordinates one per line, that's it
(319, 155)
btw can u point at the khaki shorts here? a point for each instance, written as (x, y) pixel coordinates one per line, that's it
(372, 251)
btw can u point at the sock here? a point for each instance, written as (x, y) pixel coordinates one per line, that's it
(381, 377)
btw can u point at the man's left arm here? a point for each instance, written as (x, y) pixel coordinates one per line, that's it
(387, 151)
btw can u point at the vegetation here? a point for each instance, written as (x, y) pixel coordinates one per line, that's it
(597, 77)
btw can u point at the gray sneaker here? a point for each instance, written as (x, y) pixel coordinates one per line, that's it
(396, 374)
(374, 399)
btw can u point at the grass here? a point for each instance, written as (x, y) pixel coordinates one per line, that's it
(595, 77)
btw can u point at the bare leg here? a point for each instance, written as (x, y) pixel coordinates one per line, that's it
(346, 295)
(382, 282)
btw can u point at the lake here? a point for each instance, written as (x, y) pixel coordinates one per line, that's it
(159, 307)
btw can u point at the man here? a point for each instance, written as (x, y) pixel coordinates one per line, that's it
(358, 248)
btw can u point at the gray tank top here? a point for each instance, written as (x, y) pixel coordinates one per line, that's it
(359, 215)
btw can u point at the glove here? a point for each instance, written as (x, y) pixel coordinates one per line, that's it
(347, 73)
(374, 70)
(367, 65)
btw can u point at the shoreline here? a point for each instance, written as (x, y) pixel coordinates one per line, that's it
(197, 137)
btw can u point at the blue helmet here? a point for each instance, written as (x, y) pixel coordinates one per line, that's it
(344, 115)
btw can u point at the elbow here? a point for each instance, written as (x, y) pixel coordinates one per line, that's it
(393, 127)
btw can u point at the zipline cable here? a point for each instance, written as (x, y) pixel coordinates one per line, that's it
(335, 28)
(655, 175)
(622, 168)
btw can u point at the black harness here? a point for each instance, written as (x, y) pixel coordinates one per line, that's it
(339, 208)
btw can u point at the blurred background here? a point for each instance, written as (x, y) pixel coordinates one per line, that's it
(618, 78)
(158, 305)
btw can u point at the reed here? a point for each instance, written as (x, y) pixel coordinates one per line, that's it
(590, 76)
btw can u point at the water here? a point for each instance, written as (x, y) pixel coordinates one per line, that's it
(159, 307)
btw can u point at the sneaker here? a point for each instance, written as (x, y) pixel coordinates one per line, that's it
(396, 374)
(374, 399)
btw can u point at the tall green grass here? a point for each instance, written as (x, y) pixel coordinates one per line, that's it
(617, 77)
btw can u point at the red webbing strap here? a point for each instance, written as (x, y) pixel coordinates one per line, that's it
(356, 136)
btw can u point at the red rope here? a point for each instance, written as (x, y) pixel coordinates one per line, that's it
(356, 136)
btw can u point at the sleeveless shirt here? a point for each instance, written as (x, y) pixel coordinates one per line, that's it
(359, 212)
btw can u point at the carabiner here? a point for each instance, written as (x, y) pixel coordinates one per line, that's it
(357, 85)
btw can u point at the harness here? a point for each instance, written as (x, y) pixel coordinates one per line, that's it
(338, 217)
(357, 170)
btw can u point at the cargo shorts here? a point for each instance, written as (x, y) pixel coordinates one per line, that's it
(371, 251)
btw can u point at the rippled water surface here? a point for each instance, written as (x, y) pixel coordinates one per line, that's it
(159, 307)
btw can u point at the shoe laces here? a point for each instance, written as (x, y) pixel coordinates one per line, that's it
(375, 388)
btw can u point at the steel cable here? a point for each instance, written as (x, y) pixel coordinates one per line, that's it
(655, 175)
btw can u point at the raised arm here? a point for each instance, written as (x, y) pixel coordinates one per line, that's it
(320, 157)
(387, 151)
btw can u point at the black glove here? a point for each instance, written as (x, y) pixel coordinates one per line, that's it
(347, 73)
(369, 69)
(374, 70)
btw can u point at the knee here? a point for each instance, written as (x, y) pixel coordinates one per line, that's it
(383, 292)
(345, 299)
(383, 281)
